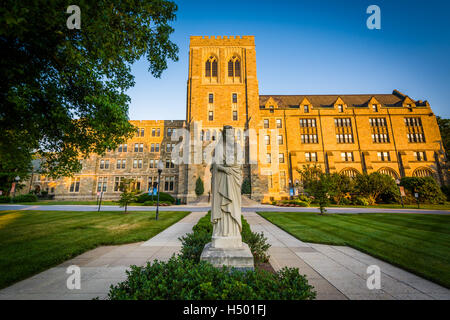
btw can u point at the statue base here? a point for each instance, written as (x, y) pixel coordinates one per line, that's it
(226, 242)
(239, 258)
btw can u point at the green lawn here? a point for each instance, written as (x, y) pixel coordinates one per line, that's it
(419, 243)
(33, 241)
(86, 202)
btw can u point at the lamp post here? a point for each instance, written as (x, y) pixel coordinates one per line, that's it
(17, 179)
(397, 181)
(160, 168)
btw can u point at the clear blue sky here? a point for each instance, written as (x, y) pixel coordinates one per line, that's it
(313, 47)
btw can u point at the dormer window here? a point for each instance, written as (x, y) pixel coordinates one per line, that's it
(340, 108)
(375, 108)
(271, 109)
(211, 67)
(306, 108)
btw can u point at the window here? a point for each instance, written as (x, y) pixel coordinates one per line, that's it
(140, 163)
(135, 163)
(102, 184)
(211, 98)
(157, 147)
(374, 108)
(104, 164)
(235, 115)
(118, 183)
(311, 156)
(211, 67)
(343, 128)
(420, 156)
(282, 180)
(280, 140)
(122, 148)
(266, 123)
(141, 147)
(234, 67)
(74, 184)
(169, 183)
(169, 164)
(271, 109)
(414, 130)
(210, 115)
(169, 147)
(340, 108)
(151, 164)
(170, 131)
(308, 138)
(158, 132)
(279, 125)
(234, 97)
(384, 156)
(306, 108)
(136, 147)
(150, 183)
(347, 156)
(268, 158)
(266, 140)
(152, 147)
(379, 130)
(153, 132)
(307, 123)
(281, 157)
(121, 164)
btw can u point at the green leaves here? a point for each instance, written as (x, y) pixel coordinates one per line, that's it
(62, 94)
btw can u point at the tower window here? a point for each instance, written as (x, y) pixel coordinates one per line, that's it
(234, 67)
(211, 67)
(211, 98)
(341, 108)
(375, 108)
(306, 108)
(211, 116)
(235, 115)
(234, 97)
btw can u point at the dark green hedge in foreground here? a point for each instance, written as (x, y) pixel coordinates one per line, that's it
(183, 279)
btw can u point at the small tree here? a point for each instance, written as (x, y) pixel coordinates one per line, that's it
(374, 185)
(128, 194)
(317, 184)
(427, 188)
(246, 187)
(343, 186)
(199, 188)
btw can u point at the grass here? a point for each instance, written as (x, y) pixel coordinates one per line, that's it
(415, 242)
(33, 241)
(80, 202)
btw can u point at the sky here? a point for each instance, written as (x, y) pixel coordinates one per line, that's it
(312, 47)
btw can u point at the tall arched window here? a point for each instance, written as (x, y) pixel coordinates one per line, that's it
(211, 67)
(234, 67)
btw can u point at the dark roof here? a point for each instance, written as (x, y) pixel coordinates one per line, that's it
(394, 99)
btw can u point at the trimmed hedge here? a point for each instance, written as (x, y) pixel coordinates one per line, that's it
(25, 198)
(184, 279)
(163, 197)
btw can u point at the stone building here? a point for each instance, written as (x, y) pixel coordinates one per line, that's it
(350, 134)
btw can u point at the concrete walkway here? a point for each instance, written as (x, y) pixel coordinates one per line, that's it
(101, 267)
(340, 272)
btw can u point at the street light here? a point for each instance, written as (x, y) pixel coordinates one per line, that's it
(397, 181)
(160, 168)
(17, 179)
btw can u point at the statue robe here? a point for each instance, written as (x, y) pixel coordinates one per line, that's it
(226, 200)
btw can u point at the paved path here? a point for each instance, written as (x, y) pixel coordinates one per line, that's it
(101, 267)
(340, 272)
(202, 208)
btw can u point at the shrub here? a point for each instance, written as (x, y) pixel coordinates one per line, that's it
(193, 244)
(163, 197)
(427, 187)
(446, 191)
(305, 198)
(246, 187)
(258, 246)
(373, 186)
(5, 199)
(199, 188)
(183, 279)
(25, 198)
(361, 201)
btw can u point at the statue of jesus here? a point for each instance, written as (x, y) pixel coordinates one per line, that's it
(226, 198)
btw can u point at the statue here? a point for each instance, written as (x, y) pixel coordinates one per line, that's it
(226, 246)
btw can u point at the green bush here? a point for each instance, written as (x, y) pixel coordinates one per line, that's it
(305, 198)
(199, 188)
(5, 199)
(193, 244)
(246, 187)
(361, 201)
(184, 279)
(428, 189)
(163, 197)
(25, 198)
(446, 191)
(258, 246)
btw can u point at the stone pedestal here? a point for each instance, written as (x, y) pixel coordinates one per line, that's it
(226, 242)
(240, 258)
